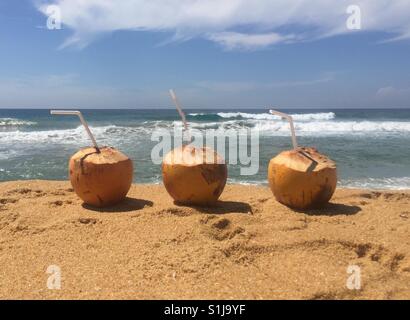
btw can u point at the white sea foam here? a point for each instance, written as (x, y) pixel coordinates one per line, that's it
(395, 183)
(247, 182)
(310, 124)
(399, 183)
(113, 133)
(62, 136)
(12, 122)
(197, 114)
(266, 116)
(312, 128)
(318, 128)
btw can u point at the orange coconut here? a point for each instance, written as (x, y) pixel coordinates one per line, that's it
(194, 175)
(302, 178)
(101, 178)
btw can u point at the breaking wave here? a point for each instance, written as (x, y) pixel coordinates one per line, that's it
(12, 122)
(324, 116)
(312, 128)
(113, 133)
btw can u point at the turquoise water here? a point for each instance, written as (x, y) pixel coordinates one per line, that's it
(371, 147)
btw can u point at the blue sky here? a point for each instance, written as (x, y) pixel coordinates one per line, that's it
(215, 56)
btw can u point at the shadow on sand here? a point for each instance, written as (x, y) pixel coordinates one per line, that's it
(332, 209)
(221, 207)
(128, 204)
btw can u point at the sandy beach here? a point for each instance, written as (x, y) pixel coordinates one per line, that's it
(247, 247)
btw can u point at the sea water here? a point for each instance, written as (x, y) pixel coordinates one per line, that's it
(370, 146)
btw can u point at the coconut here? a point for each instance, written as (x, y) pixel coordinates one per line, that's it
(302, 178)
(194, 175)
(100, 177)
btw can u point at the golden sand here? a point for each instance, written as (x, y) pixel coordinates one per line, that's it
(247, 247)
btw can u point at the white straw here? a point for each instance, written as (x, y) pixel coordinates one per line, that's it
(181, 113)
(292, 127)
(77, 113)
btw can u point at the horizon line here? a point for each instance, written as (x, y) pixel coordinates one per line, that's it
(203, 108)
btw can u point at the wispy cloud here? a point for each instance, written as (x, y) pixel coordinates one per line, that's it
(69, 91)
(393, 92)
(398, 97)
(64, 90)
(243, 41)
(224, 21)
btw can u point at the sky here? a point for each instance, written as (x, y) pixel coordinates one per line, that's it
(213, 53)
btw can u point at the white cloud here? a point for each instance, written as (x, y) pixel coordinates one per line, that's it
(223, 21)
(242, 41)
(386, 92)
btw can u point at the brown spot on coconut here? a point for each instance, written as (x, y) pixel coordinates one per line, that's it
(301, 178)
(194, 175)
(101, 178)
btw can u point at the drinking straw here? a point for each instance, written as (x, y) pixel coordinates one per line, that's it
(181, 113)
(77, 113)
(292, 127)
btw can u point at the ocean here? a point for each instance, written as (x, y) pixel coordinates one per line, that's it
(371, 147)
